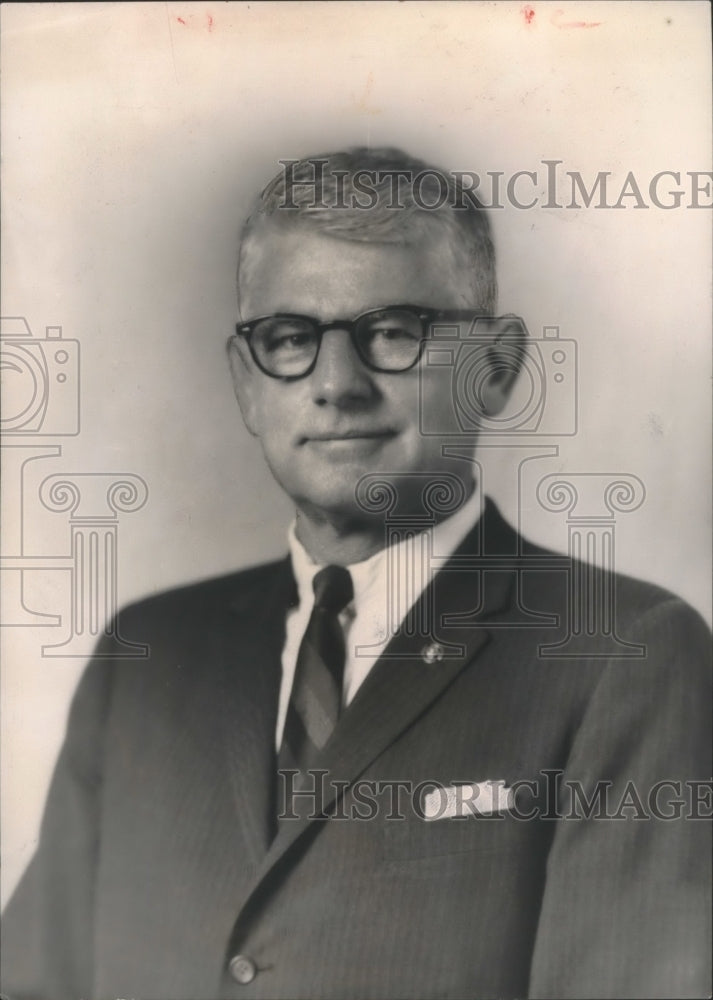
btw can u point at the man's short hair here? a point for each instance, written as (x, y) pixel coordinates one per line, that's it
(327, 193)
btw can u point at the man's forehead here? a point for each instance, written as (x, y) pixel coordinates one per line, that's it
(300, 269)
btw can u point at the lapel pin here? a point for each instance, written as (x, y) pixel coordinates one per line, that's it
(432, 652)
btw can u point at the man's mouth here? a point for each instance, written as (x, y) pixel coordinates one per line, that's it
(353, 436)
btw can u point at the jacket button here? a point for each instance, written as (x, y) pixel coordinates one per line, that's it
(432, 652)
(242, 969)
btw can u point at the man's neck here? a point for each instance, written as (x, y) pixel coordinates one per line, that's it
(339, 541)
(342, 540)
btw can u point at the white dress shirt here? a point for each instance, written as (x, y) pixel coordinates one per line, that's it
(381, 600)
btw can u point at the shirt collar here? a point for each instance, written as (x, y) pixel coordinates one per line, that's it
(445, 539)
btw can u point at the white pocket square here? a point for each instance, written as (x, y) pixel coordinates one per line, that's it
(480, 798)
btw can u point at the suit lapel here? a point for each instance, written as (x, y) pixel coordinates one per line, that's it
(251, 636)
(409, 676)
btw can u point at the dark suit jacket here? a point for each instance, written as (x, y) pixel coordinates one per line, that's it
(155, 863)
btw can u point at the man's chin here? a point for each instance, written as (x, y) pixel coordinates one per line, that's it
(333, 506)
(364, 495)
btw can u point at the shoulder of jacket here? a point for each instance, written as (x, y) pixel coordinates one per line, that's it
(211, 592)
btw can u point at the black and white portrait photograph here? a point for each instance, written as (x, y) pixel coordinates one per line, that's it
(356, 500)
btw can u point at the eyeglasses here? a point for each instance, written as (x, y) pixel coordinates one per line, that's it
(390, 339)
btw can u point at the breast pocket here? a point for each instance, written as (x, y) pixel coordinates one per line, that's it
(417, 839)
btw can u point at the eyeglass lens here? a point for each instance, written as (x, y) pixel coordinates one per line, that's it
(388, 340)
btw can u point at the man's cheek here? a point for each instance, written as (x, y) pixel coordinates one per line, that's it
(435, 402)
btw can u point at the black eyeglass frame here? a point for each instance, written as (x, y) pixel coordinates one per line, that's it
(426, 315)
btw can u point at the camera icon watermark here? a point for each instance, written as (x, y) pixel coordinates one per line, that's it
(544, 400)
(41, 402)
(40, 379)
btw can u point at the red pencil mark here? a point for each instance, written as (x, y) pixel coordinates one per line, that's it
(555, 19)
(209, 22)
(528, 13)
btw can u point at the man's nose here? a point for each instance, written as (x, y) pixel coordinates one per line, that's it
(340, 375)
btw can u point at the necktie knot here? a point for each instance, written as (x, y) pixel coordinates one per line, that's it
(333, 589)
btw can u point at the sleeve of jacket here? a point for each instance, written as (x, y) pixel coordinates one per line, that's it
(47, 927)
(626, 909)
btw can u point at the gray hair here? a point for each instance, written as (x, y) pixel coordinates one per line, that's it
(326, 192)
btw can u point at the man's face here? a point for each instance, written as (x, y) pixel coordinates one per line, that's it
(322, 433)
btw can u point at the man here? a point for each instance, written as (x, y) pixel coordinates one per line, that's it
(382, 782)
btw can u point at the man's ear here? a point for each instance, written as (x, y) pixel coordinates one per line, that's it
(504, 361)
(242, 370)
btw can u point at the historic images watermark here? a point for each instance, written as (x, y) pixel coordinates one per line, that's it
(546, 186)
(548, 796)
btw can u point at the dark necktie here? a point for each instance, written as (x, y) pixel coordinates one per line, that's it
(316, 695)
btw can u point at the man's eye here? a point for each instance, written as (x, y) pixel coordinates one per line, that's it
(288, 340)
(391, 333)
(292, 339)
